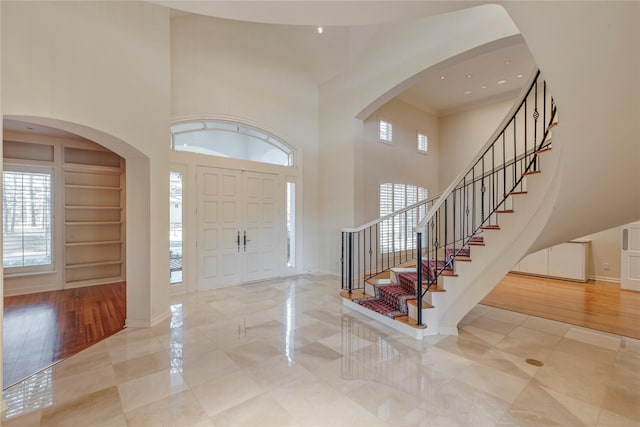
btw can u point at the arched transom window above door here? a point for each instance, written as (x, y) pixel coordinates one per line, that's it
(228, 139)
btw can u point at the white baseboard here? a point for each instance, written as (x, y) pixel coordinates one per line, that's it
(605, 279)
(414, 333)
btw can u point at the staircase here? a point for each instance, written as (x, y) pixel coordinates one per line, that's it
(469, 237)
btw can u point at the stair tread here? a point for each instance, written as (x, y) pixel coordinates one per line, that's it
(462, 258)
(448, 273)
(505, 211)
(490, 227)
(531, 173)
(414, 302)
(543, 150)
(355, 294)
(434, 288)
(476, 243)
(517, 193)
(377, 282)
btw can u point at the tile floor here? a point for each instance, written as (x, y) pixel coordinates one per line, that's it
(285, 353)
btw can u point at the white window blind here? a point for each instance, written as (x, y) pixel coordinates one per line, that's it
(396, 233)
(26, 219)
(423, 142)
(385, 131)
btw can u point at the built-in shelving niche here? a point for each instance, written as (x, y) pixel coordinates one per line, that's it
(94, 234)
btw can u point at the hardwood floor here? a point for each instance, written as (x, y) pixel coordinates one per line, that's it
(596, 305)
(41, 329)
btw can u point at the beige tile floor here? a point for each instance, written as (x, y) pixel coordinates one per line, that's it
(285, 353)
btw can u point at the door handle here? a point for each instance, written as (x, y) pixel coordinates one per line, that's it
(245, 241)
(238, 240)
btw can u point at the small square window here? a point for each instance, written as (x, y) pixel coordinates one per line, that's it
(423, 143)
(385, 131)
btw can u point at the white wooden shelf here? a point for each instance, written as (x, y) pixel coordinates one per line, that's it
(93, 264)
(93, 207)
(96, 243)
(92, 187)
(93, 223)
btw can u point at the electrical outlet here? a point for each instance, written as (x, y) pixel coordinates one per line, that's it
(606, 266)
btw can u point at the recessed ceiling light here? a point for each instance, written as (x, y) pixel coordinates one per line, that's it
(467, 92)
(507, 62)
(320, 30)
(483, 86)
(519, 76)
(469, 76)
(501, 82)
(441, 77)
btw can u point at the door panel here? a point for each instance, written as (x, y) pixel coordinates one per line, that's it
(262, 247)
(219, 260)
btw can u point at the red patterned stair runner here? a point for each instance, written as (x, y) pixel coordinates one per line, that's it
(391, 300)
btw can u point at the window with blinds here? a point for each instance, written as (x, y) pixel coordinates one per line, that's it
(423, 143)
(396, 233)
(26, 219)
(385, 131)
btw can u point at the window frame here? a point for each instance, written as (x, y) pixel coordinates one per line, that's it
(387, 235)
(389, 125)
(426, 143)
(39, 268)
(232, 127)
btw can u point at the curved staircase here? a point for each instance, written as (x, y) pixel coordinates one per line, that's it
(471, 236)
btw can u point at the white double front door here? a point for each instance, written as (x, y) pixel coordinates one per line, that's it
(241, 227)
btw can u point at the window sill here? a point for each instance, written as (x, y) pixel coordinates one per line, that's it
(29, 273)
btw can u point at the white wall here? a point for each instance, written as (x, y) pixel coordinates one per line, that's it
(246, 72)
(606, 248)
(463, 134)
(101, 70)
(399, 162)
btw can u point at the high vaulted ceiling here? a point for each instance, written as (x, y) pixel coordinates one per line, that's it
(358, 20)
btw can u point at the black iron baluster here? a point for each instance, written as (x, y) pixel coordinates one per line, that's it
(453, 218)
(378, 251)
(504, 168)
(342, 261)
(419, 277)
(536, 114)
(482, 191)
(515, 154)
(350, 265)
(493, 184)
(544, 107)
(473, 197)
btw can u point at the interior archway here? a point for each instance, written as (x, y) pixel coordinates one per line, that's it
(136, 214)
